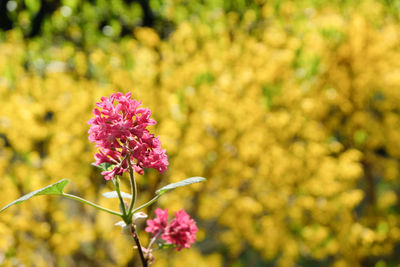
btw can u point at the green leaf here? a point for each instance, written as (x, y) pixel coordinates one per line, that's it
(185, 182)
(103, 166)
(166, 246)
(53, 189)
(114, 194)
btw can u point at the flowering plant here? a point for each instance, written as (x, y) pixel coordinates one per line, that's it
(181, 231)
(125, 145)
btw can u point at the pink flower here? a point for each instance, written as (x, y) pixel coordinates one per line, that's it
(181, 231)
(159, 223)
(119, 129)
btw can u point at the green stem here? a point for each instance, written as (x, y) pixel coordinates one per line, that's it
(91, 204)
(154, 240)
(121, 200)
(146, 204)
(133, 188)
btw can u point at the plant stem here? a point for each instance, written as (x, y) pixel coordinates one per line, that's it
(153, 240)
(146, 204)
(137, 241)
(91, 204)
(124, 214)
(133, 187)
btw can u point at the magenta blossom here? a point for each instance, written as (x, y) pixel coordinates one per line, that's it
(181, 231)
(159, 223)
(119, 129)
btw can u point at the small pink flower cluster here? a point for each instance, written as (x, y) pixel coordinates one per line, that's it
(181, 231)
(119, 128)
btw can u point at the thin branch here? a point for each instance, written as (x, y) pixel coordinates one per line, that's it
(139, 246)
(91, 204)
(146, 204)
(133, 187)
(124, 214)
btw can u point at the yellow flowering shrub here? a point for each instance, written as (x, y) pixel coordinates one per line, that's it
(292, 115)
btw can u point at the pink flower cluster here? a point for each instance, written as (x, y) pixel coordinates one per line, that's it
(181, 231)
(119, 129)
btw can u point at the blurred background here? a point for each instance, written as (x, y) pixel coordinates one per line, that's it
(290, 109)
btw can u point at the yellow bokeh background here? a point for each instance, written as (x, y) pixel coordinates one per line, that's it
(292, 114)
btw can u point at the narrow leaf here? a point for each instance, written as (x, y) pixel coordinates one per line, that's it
(185, 182)
(164, 245)
(53, 189)
(114, 194)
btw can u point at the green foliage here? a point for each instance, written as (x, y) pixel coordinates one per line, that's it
(53, 189)
(185, 182)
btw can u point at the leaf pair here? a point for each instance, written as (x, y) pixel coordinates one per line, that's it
(162, 190)
(58, 189)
